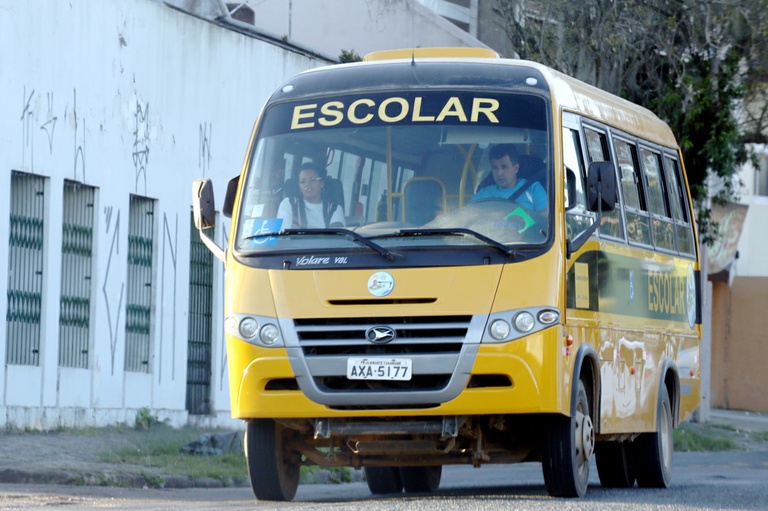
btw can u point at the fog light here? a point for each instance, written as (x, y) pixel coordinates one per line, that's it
(499, 329)
(269, 334)
(248, 328)
(524, 322)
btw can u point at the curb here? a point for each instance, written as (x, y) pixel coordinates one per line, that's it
(119, 480)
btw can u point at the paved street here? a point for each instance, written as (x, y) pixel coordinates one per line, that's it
(732, 480)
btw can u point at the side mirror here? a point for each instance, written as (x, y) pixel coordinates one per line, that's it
(229, 198)
(203, 208)
(601, 186)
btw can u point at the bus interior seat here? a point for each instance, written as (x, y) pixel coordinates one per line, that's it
(333, 191)
(424, 198)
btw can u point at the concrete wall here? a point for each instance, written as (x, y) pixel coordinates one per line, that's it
(131, 97)
(739, 349)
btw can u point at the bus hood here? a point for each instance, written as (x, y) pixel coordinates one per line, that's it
(341, 293)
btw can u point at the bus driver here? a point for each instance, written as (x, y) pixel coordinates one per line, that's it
(504, 166)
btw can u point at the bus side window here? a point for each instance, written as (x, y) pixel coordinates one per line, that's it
(577, 217)
(661, 223)
(635, 207)
(597, 150)
(677, 206)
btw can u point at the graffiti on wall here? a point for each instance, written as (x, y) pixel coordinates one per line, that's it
(79, 145)
(204, 154)
(33, 117)
(113, 288)
(49, 126)
(170, 245)
(27, 138)
(140, 151)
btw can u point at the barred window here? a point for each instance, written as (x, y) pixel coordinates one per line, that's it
(138, 307)
(25, 269)
(76, 268)
(200, 324)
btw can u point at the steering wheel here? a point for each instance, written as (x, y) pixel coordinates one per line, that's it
(497, 218)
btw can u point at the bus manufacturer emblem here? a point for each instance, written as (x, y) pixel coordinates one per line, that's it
(381, 283)
(380, 334)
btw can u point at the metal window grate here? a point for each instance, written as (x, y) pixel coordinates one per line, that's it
(138, 314)
(25, 269)
(200, 325)
(76, 265)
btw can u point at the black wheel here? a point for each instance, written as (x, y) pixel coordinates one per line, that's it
(421, 479)
(652, 452)
(568, 445)
(614, 465)
(383, 480)
(272, 469)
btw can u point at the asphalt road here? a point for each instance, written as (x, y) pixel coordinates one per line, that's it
(730, 480)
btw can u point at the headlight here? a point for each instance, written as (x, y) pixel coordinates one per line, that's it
(257, 330)
(248, 327)
(269, 334)
(499, 329)
(513, 324)
(524, 322)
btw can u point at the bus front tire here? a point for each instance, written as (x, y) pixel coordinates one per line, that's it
(421, 479)
(273, 470)
(383, 480)
(614, 467)
(568, 445)
(652, 452)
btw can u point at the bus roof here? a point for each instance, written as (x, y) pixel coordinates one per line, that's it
(473, 66)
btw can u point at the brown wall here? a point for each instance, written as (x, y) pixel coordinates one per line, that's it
(739, 374)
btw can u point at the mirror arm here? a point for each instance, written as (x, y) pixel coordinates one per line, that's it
(213, 247)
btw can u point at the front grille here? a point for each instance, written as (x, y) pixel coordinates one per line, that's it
(434, 344)
(337, 336)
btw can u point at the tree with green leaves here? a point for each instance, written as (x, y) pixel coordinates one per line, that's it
(701, 65)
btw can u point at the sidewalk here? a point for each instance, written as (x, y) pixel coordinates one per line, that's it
(77, 458)
(745, 421)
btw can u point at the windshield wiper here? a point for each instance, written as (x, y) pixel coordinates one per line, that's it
(450, 232)
(334, 230)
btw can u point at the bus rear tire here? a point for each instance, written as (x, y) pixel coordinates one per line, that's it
(652, 452)
(421, 479)
(614, 467)
(568, 445)
(383, 480)
(273, 470)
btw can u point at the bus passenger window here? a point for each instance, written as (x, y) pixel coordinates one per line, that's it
(661, 224)
(577, 218)
(677, 206)
(638, 221)
(597, 150)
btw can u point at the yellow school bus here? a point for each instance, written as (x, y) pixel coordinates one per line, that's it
(443, 257)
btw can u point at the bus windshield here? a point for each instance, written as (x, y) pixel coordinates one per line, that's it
(408, 169)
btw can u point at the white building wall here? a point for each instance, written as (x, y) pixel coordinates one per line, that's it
(131, 97)
(137, 97)
(753, 243)
(330, 26)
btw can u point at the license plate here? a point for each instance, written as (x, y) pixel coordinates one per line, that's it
(393, 369)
